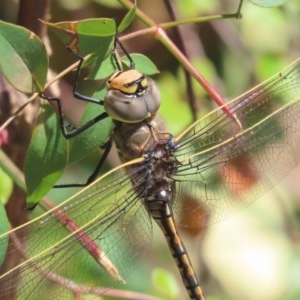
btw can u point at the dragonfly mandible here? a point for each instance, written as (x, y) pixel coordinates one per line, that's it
(220, 164)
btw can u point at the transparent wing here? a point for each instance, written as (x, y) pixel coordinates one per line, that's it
(106, 218)
(225, 166)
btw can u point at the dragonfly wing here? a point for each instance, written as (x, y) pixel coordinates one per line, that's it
(108, 216)
(225, 166)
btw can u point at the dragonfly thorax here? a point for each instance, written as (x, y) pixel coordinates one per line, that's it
(131, 97)
(134, 140)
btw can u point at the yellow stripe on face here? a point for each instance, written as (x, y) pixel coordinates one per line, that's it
(127, 81)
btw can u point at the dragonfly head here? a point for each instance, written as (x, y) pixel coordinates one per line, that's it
(131, 97)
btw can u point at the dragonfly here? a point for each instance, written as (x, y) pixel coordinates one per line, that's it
(222, 165)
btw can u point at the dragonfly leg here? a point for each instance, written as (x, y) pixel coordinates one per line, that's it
(107, 147)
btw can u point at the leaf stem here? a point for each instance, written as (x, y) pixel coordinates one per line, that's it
(187, 21)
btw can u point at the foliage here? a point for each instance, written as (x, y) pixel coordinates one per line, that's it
(23, 59)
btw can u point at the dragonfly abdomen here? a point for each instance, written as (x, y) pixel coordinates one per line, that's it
(159, 207)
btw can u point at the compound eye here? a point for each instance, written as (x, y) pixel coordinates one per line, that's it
(131, 97)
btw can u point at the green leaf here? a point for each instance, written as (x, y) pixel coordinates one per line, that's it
(4, 228)
(23, 58)
(127, 19)
(102, 70)
(46, 157)
(86, 36)
(142, 63)
(106, 68)
(88, 141)
(268, 3)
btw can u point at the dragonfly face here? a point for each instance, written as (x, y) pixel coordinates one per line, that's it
(131, 97)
